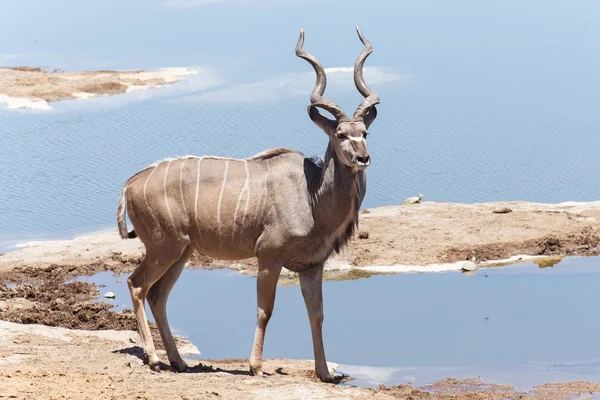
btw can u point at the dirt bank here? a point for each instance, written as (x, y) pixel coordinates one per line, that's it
(25, 87)
(49, 296)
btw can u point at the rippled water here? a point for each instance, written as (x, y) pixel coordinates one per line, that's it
(520, 325)
(494, 102)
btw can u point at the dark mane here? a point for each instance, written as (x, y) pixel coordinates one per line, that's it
(345, 237)
(271, 153)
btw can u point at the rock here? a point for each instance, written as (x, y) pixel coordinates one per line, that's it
(504, 210)
(413, 200)
(363, 235)
(109, 295)
(468, 266)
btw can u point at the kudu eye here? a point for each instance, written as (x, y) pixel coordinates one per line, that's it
(365, 134)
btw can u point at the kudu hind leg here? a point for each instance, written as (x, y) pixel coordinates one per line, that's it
(157, 299)
(311, 283)
(145, 275)
(266, 286)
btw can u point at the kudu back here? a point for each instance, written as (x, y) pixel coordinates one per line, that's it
(279, 206)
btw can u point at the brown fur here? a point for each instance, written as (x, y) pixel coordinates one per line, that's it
(279, 206)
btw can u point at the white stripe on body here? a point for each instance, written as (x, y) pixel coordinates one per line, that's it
(181, 186)
(146, 198)
(221, 199)
(167, 197)
(196, 202)
(245, 188)
(247, 196)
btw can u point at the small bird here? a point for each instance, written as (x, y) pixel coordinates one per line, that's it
(413, 200)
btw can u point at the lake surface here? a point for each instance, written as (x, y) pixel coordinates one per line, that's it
(480, 101)
(521, 324)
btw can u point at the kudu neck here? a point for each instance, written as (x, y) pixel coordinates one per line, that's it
(336, 187)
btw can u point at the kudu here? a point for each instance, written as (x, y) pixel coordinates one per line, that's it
(278, 206)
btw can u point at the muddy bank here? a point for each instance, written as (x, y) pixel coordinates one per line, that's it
(26, 87)
(48, 296)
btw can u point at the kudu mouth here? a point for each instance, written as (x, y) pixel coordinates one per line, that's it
(361, 166)
(361, 163)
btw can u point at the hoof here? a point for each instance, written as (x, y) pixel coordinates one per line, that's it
(155, 367)
(151, 360)
(256, 371)
(179, 366)
(325, 378)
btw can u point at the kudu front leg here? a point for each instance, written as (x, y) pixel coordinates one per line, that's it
(311, 283)
(266, 285)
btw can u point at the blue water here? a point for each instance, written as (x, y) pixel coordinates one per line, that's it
(482, 101)
(519, 324)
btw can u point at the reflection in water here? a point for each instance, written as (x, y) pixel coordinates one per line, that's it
(512, 324)
(522, 375)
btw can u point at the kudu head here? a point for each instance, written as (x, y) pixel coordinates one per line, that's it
(348, 135)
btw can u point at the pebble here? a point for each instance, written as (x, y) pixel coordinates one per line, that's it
(109, 295)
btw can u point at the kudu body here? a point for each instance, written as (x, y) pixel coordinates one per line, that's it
(278, 206)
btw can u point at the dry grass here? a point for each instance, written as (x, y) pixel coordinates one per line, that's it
(104, 88)
(28, 69)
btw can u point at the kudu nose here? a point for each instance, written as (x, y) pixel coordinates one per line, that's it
(366, 159)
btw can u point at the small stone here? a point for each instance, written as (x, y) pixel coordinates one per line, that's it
(109, 295)
(468, 266)
(413, 200)
(504, 210)
(363, 235)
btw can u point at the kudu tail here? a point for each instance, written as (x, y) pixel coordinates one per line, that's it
(121, 222)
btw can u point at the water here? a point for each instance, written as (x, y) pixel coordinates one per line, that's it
(480, 101)
(520, 325)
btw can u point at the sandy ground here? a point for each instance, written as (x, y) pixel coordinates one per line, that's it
(55, 343)
(40, 362)
(25, 87)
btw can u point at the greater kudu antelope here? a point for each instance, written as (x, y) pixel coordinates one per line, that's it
(278, 206)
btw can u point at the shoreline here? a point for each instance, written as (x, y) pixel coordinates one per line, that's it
(426, 237)
(36, 88)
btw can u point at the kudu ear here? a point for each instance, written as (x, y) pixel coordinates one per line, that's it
(370, 117)
(328, 125)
